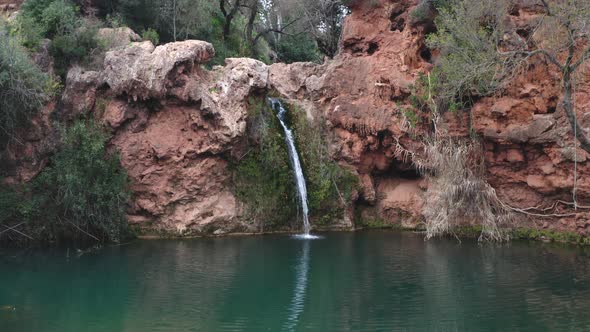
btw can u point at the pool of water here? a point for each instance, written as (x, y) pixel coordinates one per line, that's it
(365, 281)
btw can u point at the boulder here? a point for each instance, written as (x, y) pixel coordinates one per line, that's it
(142, 71)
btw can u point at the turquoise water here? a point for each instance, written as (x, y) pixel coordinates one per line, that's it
(366, 281)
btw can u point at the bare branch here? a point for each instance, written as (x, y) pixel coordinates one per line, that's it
(530, 54)
(582, 59)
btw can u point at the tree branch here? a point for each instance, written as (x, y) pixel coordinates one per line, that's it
(269, 30)
(582, 59)
(530, 54)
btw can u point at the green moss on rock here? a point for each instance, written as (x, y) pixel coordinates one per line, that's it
(263, 179)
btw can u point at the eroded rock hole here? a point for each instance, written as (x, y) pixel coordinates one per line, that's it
(425, 54)
(409, 174)
(523, 33)
(398, 25)
(373, 47)
(552, 105)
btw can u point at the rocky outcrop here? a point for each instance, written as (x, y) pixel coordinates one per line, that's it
(530, 150)
(174, 125)
(361, 94)
(143, 71)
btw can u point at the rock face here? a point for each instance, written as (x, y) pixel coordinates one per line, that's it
(176, 125)
(362, 94)
(173, 124)
(530, 150)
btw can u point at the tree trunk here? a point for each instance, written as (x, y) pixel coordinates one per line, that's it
(174, 18)
(228, 16)
(250, 27)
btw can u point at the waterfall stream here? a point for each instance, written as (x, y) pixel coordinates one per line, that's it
(297, 170)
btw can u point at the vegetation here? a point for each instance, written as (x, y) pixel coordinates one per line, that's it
(23, 86)
(82, 194)
(458, 192)
(329, 186)
(83, 187)
(151, 35)
(73, 38)
(479, 53)
(270, 30)
(263, 177)
(467, 36)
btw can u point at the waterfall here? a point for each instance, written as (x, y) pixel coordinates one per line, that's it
(297, 170)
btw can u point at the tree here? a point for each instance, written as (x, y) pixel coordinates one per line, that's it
(477, 58)
(324, 21)
(229, 10)
(468, 35)
(567, 26)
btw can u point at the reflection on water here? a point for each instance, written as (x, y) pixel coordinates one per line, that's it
(367, 281)
(298, 302)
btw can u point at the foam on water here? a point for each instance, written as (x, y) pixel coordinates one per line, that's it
(307, 237)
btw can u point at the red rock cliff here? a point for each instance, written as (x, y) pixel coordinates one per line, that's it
(176, 150)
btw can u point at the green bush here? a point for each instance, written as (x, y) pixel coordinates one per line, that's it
(468, 34)
(47, 18)
(22, 86)
(83, 188)
(35, 8)
(59, 18)
(73, 39)
(297, 48)
(75, 47)
(28, 30)
(151, 35)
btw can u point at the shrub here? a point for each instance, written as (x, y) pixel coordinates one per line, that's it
(151, 35)
(83, 189)
(59, 18)
(35, 8)
(468, 35)
(75, 47)
(22, 86)
(458, 192)
(29, 31)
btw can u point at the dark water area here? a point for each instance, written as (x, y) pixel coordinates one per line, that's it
(364, 281)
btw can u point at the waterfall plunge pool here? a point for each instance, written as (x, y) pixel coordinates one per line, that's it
(364, 281)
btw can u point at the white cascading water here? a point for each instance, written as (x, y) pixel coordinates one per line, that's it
(297, 170)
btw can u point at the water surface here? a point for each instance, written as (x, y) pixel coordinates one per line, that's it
(366, 281)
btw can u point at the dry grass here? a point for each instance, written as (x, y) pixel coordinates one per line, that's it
(458, 192)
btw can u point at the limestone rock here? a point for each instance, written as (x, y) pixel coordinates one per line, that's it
(143, 71)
